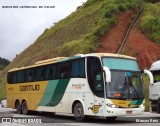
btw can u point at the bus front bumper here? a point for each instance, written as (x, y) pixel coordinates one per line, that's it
(124, 111)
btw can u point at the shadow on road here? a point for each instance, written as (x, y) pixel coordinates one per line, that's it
(57, 118)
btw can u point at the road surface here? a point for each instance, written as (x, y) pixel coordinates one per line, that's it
(147, 119)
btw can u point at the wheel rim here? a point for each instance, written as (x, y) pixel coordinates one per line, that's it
(18, 107)
(79, 112)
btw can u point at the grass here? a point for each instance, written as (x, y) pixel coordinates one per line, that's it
(80, 32)
(2, 87)
(150, 21)
(105, 17)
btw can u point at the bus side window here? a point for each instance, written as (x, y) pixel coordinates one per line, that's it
(29, 75)
(64, 70)
(9, 78)
(78, 68)
(50, 72)
(39, 73)
(99, 81)
(21, 76)
(12, 77)
(82, 68)
(156, 75)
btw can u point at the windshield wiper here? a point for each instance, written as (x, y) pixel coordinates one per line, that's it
(140, 83)
(130, 83)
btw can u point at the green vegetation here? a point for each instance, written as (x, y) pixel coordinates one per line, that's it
(3, 63)
(150, 21)
(2, 87)
(101, 21)
(152, 1)
(80, 32)
(146, 92)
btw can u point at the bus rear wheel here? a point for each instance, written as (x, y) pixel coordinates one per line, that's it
(24, 108)
(18, 107)
(79, 112)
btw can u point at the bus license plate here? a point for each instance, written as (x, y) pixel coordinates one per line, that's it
(128, 112)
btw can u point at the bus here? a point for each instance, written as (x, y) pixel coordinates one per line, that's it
(154, 87)
(96, 84)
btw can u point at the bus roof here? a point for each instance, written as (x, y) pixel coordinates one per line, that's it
(155, 66)
(111, 55)
(61, 59)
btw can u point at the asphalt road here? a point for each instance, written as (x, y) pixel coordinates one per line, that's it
(147, 119)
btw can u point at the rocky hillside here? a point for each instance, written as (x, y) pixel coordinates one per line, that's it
(97, 26)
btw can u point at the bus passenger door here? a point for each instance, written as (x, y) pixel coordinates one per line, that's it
(99, 93)
(95, 80)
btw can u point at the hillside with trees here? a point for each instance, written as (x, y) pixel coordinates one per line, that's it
(3, 63)
(98, 26)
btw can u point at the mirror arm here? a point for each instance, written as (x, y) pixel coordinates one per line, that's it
(107, 74)
(150, 76)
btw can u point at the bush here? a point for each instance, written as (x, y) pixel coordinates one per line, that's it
(71, 48)
(150, 21)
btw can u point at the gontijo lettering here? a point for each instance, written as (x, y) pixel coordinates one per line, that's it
(30, 87)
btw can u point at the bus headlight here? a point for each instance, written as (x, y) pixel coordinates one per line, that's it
(112, 105)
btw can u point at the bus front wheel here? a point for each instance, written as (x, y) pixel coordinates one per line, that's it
(24, 108)
(79, 112)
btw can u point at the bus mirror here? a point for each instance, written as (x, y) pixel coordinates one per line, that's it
(107, 74)
(150, 75)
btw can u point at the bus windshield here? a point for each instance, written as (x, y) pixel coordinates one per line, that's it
(120, 63)
(125, 85)
(126, 80)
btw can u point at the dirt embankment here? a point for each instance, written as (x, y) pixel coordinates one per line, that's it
(144, 49)
(138, 45)
(112, 40)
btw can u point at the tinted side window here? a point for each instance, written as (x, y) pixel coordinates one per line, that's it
(156, 76)
(12, 77)
(93, 65)
(50, 72)
(78, 68)
(9, 78)
(30, 75)
(95, 77)
(40, 73)
(21, 76)
(64, 70)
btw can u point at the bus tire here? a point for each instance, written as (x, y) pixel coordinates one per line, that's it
(79, 112)
(158, 107)
(18, 107)
(24, 108)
